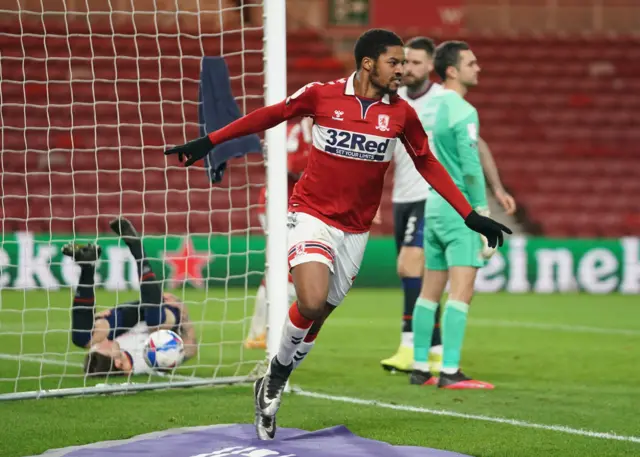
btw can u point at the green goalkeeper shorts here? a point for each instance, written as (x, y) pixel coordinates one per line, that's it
(449, 243)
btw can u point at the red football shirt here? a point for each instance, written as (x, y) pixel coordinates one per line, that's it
(353, 143)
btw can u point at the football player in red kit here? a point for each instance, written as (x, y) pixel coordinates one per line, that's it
(298, 148)
(357, 122)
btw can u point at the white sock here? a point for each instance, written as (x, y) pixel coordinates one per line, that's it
(449, 370)
(302, 352)
(421, 366)
(259, 319)
(407, 340)
(436, 350)
(295, 328)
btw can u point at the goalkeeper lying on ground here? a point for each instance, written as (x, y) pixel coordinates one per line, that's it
(116, 337)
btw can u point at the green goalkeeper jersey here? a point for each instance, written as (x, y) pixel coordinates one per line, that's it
(452, 126)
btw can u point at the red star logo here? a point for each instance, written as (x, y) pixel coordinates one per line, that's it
(186, 264)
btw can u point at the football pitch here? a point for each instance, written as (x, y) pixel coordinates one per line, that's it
(565, 369)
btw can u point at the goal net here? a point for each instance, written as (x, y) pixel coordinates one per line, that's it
(92, 93)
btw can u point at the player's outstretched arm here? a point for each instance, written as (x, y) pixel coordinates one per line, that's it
(302, 103)
(416, 142)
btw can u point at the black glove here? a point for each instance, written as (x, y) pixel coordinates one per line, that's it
(486, 226)
(194, 150)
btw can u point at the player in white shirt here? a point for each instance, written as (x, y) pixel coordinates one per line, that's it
(116, 337)
(409, 196)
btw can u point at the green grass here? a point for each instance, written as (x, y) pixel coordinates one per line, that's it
(567, 360)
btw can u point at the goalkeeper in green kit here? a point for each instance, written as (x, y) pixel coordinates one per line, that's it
(453, 252)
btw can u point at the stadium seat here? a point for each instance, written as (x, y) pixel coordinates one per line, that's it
(565, 142)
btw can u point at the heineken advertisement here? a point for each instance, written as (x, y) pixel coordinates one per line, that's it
(34, 261)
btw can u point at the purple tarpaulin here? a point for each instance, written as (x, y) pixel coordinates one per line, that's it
(241, 441)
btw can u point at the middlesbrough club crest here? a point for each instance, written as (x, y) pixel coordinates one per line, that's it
(300, 249)
(383, 123)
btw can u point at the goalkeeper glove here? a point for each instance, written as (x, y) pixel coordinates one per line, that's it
(194, 150)
(487, 227)
(486, 251)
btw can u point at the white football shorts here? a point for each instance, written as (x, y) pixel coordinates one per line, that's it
(312, 240)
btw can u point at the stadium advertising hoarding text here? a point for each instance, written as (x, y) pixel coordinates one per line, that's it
(33, 261)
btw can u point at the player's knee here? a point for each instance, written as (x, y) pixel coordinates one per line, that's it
(434, 283)
(311, 306)
(410, 262)
(81, 338)
(317, 323)
(312, 287)
(462, 295)
(462, 284)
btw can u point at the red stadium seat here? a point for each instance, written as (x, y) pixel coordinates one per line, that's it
(566, 142)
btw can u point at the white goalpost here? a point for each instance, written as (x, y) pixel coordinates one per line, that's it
(91, 94)
(275, 91)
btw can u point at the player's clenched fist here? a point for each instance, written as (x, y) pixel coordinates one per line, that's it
(194, 150)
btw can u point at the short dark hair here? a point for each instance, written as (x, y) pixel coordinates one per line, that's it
(448, 55)
(422, 42)
(374, 42)
(98, 364)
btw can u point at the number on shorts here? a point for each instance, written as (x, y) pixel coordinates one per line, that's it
(410, 229)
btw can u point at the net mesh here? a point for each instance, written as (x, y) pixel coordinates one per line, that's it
(92, 92)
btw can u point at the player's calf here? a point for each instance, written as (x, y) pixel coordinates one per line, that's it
(296, 327)
(83, 307)
(410, 269)
(454, 323)
(424, 317)
(410, 261)
(150, 288)
(310, 340)
(295, 341)
(312, 287)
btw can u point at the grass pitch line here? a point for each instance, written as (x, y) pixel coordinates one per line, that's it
(407, 408)
(477, 417)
